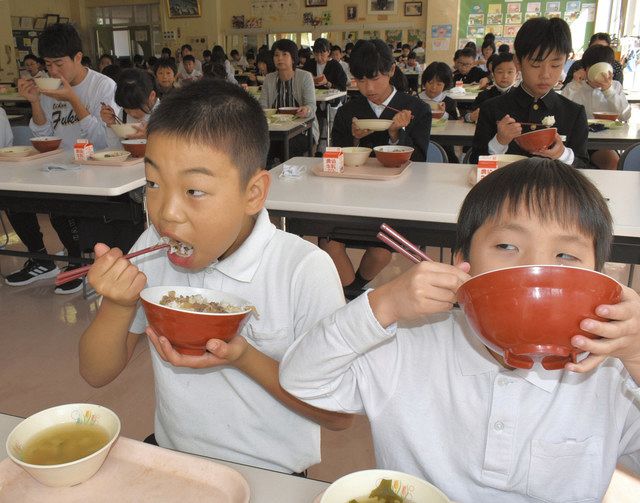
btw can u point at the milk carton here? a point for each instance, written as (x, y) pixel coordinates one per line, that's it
(333, 160)
(82, 150)
(486, 164)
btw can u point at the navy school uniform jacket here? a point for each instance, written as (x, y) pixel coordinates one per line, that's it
(474, 75)
(415, 135)
(571, 121)
(486, 95)
(332, 71)
(451, 108)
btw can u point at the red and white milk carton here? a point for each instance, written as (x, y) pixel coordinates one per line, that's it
(82, 150)
(486, 164)
(333, 160)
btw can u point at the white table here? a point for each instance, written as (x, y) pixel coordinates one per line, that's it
(464, 98)
(266, 486)
(423, 204)
(461, 133)
(89, 191)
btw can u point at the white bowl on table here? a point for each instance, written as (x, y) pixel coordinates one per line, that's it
(123, 130)
(47, 83)
(358, 484)
(374, 124)
(355, 156)
(74, 472)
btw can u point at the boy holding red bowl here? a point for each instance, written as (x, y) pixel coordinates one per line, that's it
(206, 189)
(445, 407)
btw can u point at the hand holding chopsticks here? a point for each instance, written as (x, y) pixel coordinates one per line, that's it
(401, 244)
(113, 114)
(65, 277)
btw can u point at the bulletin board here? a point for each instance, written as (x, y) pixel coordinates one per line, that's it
(504, 18)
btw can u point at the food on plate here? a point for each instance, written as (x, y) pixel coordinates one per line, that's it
(198, 304)
(548, 121)
(384, 493)
(64, 443)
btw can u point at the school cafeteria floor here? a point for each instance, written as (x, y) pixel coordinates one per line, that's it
(39, 363)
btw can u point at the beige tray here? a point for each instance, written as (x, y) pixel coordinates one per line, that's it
(371, 170)
(134, 472)
(130, 161)
(31, 157)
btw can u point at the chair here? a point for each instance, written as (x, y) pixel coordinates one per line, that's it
(630, 161)
(630, 158)
(21, 135)
(435, 153)
(466, 159)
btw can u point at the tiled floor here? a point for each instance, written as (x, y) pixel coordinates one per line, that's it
(39, 363)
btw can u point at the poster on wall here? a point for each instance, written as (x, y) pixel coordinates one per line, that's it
(440, 44)
(476, 19)
(496, 29)
(573, 7)
(494, 18)
(513, 8)
(511, 30)
(534, 7)
(552, 7)
(589, 10)
(475, 31)
(441, 30)
(553, 14)
(495, 8)
(514, 18)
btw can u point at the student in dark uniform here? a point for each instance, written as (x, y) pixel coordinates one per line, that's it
(372, 65)
(465, 69)
(504, 75)
(436, 80)
(541, 46)
(327, 73)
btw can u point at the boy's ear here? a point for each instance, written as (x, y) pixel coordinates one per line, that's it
(257, 191)
(458, 258)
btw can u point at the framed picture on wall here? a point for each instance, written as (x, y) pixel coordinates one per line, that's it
(184, 8)
(64, 20)
(52, 19)
(26, 23)
(40, 23)
(351, 12)
(381, 6)
(315, 3)
(413, 8)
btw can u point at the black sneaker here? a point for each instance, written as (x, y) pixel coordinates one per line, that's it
(70, 286)
(32, 271)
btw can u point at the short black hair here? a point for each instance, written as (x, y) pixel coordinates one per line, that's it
(498, 59)
(406, 46)
(216, 114)
(349, 46)
(267, 59)
(370, 58)
(86, 61)
(152, 61)
(488, 43)
(304, 52)
(598, 54)
(59, 40)
(411, 55)
(503, 48)
(166, 63)
(186, 46)
(538, 37)
(188, 57)
(109, 57)
(440, 71)
(32, 57)
(549, 189)
(489, 37)
(133, 89)
(467, 52)
(207, 53)
(321, 45)
(456, 54)
(166, 50)
(112, 71)
(471, 45)
(336, 48)
(600, 36)
(419, 43)
(286, 45)
(234, 52)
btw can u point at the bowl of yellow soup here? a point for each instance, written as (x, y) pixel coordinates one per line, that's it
(376, 486)
(64, 445)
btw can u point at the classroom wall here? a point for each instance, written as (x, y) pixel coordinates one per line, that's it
(37, 8)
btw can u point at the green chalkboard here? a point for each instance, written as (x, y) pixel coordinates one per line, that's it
(503, 19)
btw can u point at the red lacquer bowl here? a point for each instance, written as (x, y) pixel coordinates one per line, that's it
(392, 156)
(536, 140)
(189, 331)
(46, 143)
(531, 312)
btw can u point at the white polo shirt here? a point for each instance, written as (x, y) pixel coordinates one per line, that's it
(597, 100)
(220, 412)
(442, 408)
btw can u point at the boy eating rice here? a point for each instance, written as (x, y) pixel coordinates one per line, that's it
(443, 406)
(206, 188)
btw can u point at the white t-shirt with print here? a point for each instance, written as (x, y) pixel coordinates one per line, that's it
(220, 412)
(62, 120)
